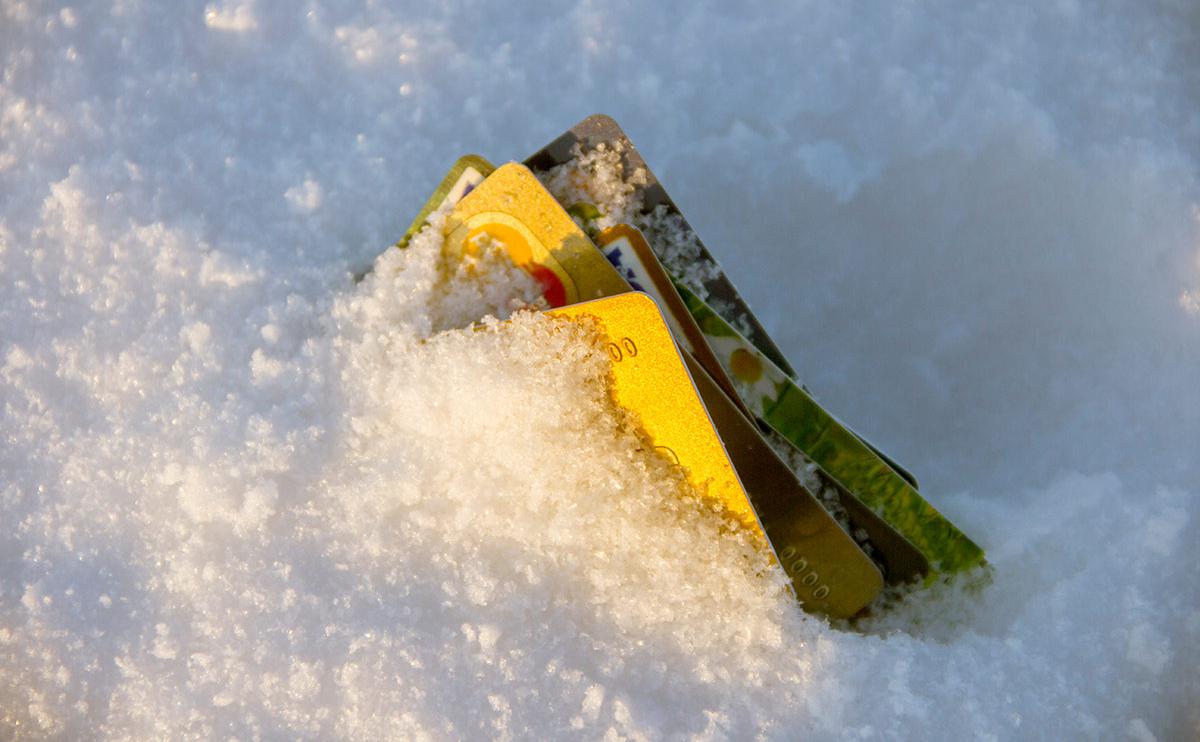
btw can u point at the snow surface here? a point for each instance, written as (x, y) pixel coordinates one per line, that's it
(243, 497)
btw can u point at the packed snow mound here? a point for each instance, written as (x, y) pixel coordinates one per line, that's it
(243, 496)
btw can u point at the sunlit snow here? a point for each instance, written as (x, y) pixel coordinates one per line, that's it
(243, 496)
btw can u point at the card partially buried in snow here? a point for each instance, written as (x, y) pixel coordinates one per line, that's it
(705, 386)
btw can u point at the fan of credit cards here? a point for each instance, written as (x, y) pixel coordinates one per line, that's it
(586, 218)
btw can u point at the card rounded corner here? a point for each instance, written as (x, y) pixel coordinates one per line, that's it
(479, 162)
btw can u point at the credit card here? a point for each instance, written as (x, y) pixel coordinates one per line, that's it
(627, 250)
(789, 410)
(828, 571)
(467, 172)
(511, 207)
(671, 232)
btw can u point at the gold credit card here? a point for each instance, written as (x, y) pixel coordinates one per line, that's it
(511, 207)
(828, 570)
(829, 573)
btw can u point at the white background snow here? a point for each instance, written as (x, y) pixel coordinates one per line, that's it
(241, 498)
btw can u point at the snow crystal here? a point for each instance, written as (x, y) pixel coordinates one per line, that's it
(304, 197)
(245, 497)
(236, 17)
(1190, 301)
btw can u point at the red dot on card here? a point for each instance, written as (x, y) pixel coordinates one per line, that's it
(552, 288)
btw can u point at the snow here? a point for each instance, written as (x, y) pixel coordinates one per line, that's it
(244, 497)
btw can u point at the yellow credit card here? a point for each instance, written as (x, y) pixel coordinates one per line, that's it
(511, 207)
(829, 573)
(650, 381)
